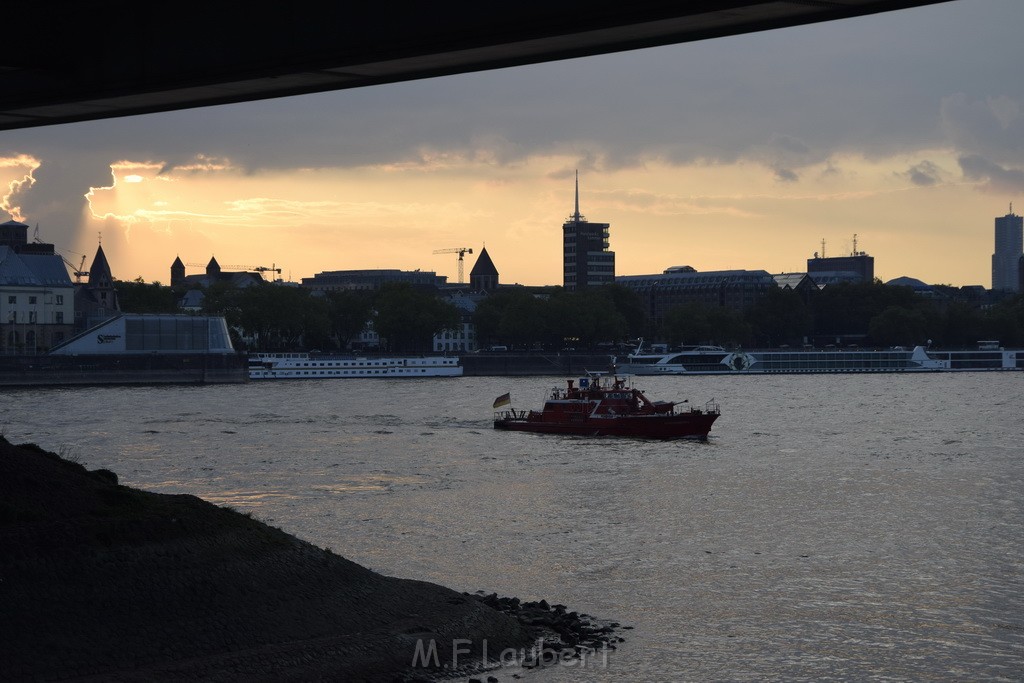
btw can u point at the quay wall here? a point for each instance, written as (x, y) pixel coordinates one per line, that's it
(527, 364)
(42, 370)
(28, 371)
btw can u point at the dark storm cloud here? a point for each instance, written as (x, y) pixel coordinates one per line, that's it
(992, 126)
(925, 78)
(992, 176)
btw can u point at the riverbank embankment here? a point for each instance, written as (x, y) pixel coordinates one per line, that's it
(125, 369)
(118, 369)
(506, 364)
(104, 582)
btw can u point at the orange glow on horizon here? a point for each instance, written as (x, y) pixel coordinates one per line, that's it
(737, 216)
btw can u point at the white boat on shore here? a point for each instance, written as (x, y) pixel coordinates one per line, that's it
(310, 366)
(715, 360)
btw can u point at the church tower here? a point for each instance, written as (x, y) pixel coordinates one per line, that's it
(484, 276)
(101, 282)
(96, 298)
(177, 272)
(213, 268)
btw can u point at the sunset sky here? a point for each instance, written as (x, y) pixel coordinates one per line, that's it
(905, 129)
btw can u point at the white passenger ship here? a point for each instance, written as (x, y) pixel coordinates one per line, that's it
(715, 360)
(306, 366)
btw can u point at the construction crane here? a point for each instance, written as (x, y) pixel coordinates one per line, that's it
(256, 269)
(77, 271)
(461, 251)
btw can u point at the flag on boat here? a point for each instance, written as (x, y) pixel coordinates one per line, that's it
(503, 400)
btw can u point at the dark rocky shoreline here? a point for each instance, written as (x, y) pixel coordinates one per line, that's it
(104, 582)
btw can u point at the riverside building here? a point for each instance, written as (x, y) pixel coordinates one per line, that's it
(36, 294)
(339, 280)
(679, 285)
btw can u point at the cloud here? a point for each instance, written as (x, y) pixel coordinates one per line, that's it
(871, 85)
(55, 197)
(23, 167)
(941, 77)
(924, 174)
(991, 176)
(786, 175)
(991, 126)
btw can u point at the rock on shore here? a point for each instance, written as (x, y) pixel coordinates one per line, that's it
(104, 582)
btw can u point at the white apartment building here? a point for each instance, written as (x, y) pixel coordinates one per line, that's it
(37, 300)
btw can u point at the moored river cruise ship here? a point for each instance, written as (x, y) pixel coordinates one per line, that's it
(310, 366)
(715, 360)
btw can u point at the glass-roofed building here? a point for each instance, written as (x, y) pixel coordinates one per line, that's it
(149, 334)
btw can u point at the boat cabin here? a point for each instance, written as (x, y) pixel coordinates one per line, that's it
(594, 397)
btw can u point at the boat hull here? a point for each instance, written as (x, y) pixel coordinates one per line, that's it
(718, 361)
(692, 425)
(304, 366)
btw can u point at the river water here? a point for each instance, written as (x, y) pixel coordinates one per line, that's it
(845, 527)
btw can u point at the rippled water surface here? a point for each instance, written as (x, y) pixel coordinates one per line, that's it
(833, 527)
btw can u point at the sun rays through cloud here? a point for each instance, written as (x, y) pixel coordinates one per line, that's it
(22, 167)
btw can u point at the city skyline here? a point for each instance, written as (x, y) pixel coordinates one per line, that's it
(905, 129)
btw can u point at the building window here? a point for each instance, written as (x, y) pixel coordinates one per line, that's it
(60, 317)
(31, 316)
(31, 300)
(60, 299)
(12, 299)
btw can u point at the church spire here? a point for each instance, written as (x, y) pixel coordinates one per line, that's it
(99, 272)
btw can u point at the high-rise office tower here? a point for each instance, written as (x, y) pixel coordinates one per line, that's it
(586, 259)
(1009, 248)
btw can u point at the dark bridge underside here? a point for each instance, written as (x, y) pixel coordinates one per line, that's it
(85, 61)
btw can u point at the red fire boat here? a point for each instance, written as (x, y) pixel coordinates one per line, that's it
(606, 406)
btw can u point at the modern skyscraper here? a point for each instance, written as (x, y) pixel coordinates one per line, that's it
(1009, 248)
(586, 259)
